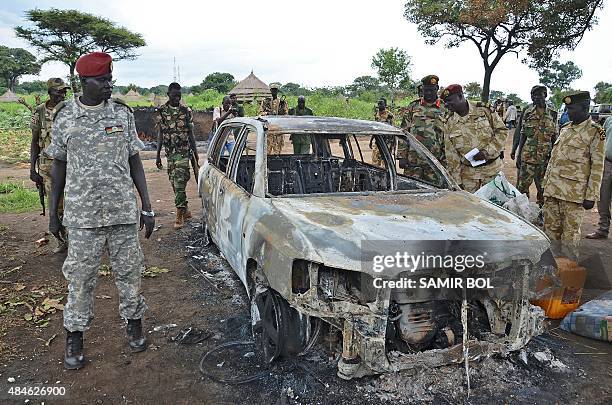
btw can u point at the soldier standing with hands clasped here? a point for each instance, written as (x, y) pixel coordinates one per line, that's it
(573, 176)
(536, 133)
(94, 146)
(175, 132)
(41, 139)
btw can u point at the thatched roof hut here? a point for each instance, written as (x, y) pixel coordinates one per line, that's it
(9, 97)
(250, 88)
(132, 96)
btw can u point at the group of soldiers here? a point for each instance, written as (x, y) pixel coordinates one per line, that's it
(87, 153)
(469, 139)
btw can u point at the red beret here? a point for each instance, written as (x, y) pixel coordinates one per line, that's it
(94, 64)
(451, 89)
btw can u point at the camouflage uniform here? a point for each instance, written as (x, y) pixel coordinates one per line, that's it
(175, 124)
(382, 116)
(482, 129)
(426, 122)
(573, 175)
(539, 128)
(271, 106)
(100, 204)
(301, 143)
(41, 123)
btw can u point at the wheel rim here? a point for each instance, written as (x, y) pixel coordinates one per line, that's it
(270, 325)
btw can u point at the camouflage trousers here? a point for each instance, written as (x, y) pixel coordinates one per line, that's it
(45, 171)
(605, 197)
(178, 173)
(377, 158)
(527, 174)
(472, 178)
(81, 271)
(562, 222)
(275, 144)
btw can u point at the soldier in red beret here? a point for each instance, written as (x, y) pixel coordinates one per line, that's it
(94, 146)
(474, 139)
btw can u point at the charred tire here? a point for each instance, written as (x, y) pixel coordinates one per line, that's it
(279, 329)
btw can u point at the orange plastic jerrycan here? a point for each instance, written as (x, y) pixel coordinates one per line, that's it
(566, 298)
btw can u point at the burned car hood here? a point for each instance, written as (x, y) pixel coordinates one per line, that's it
(331, 229)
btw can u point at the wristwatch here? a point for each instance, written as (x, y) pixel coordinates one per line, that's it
(148, 213)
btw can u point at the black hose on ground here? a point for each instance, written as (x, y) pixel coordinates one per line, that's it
(232, 381)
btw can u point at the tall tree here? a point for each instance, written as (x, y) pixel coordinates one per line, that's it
(393, 67)
(559, 76)
(515, 99)
(65, 35)
(603, 93)
(222, 82)
(501, 27)
(16, 62)
(473, 90)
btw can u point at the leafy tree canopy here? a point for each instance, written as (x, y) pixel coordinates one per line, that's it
(393, 67)
(473, 90)
(540, 29)
(221, 82)
(603, 93)
(559, 76)
(35, 86)
(16, 62)
(65, 35)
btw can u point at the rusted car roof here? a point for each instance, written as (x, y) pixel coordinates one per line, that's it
(322, 125)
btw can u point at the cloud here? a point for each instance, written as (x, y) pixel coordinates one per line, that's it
(315, 43)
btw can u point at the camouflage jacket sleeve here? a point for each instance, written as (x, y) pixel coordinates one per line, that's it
(497, 142)
(453, 159)
(597, 163)
(282, 107)
(135, 145)
(264, 106)
(157, 119)
(58, 147)
(189, 118)
(35, 124)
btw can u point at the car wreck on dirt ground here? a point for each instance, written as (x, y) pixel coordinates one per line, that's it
(293, 227)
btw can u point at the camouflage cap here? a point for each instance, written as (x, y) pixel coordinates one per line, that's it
(275, 85)
(576, 97)
(538, 87)
(56, 83)
(430, 80)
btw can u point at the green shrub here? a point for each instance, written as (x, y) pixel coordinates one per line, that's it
(16, 198)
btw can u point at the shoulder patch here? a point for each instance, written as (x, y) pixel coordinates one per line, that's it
(57, 109)
(123, 103)
(600, 130)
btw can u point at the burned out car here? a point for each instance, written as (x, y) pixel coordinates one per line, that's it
(301, 229)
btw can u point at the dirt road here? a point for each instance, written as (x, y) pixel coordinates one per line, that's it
(214, 305)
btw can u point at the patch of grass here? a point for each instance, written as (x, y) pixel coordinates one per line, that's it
(15, 145)
(15, 198)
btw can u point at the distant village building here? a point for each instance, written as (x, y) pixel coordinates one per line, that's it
(251, 88)
(132, 96)
(9, 97)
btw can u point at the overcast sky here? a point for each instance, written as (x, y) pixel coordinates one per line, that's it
(320, 43)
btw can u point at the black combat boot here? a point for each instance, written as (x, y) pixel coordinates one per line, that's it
(136, 339)
(73, 358)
